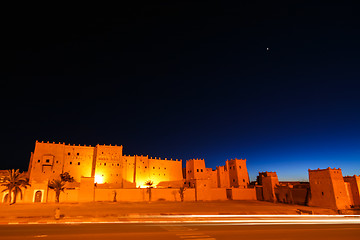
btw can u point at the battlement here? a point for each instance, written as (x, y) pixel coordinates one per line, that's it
(268, 174)
(326, 169)
(235, 159)
(196, 159)
(164, 159)
(79, 145)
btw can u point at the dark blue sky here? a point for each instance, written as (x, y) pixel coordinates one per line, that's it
(188, 81)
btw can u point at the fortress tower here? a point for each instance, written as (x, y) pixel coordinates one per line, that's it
(196, 170)
(328, 189)
(268, 181)
(238, 174)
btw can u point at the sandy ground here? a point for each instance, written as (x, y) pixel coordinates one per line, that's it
(111, 210)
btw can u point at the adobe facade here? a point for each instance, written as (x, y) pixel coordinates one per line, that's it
(104, 173)
(106, 164)
(326, 188)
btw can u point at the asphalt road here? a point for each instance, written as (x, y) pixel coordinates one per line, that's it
(180, 231)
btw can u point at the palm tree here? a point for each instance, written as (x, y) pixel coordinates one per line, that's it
(149, 184)
(58, 186)
(14, 181)
(17, 189)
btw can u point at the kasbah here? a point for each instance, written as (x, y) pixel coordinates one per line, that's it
(104, 173)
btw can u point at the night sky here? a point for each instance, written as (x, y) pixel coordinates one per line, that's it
(277, 84)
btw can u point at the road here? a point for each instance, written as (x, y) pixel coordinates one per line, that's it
(184, 230)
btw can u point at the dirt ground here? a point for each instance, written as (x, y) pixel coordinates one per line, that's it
(121, 209)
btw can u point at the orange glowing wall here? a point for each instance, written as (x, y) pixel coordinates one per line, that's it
(159, 171)
(223, 178)
(49, 160)
(109, 164)
(354, 182)
(328, 189)
(238, 174)
(269, 180)
(195, 169)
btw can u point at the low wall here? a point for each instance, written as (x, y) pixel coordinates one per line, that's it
(243, 194)
(300, 195)
(259, 193)
(126, 195)
(69, 195)
(141, 194)
(217, 194)
(189, 194)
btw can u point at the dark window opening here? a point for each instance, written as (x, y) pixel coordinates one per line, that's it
(77, 154)
(78, 163)
(201, 170)
(197, 170)
(47, 160)
(68, 153)
(70, 163)
(39, 160)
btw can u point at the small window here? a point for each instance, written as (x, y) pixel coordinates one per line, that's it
(164, 168)
(145, 166)
(197, 170)
(240, 167)
(39, 160)
(201, 170)
(243, 180)
(70, 163)
(322, 193)
(47, 160)
(77, 154)
(117, 164)
(104, 164)
(57, 161)
(233, 180)
(78, 163)
(153, 167)
(68, 154)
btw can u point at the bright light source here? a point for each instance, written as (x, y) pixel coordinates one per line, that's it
(99, 179)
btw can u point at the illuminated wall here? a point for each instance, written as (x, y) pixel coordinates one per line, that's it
(233, 174)
(49, 160)
(328, 189)
(106, 164)
(354, 182)
(238, 174)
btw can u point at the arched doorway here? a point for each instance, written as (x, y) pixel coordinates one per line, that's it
(38, 195)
